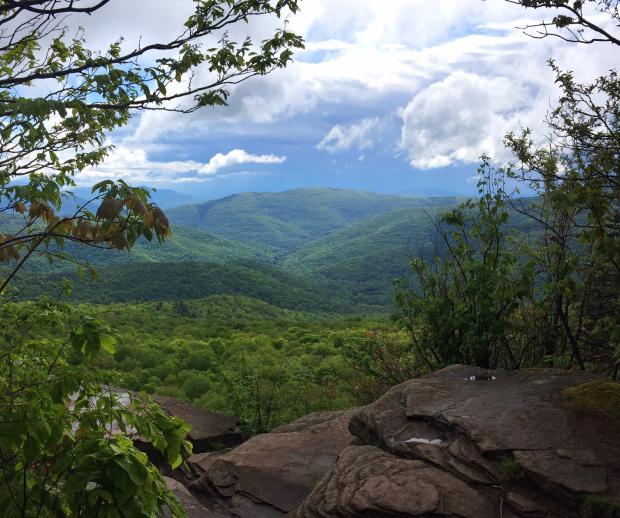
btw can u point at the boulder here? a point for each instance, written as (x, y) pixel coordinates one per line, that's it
(368, 481)
(210, 430)
(270, 474)
(471, 442)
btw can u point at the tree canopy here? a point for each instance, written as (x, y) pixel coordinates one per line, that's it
(59, 99)
(66, 444)
(553, 296)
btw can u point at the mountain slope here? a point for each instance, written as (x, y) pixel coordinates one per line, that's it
(365, 258)
(140, 282)
(185, 245)
(285, 220)
(310, 249)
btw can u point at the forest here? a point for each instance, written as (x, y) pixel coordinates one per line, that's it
(266, 306)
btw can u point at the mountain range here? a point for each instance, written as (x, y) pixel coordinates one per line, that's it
(306, 249)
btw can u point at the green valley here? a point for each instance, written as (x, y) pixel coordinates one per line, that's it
(310, 249)
(289, 219)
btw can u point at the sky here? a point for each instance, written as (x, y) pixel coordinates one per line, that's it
(396, 97)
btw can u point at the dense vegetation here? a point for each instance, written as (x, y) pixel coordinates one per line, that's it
(60, 99)
(494, 299)
(261, 363)
(285, 221)
(264, 364)
(136, 282)
(348, 269)
(259, 330)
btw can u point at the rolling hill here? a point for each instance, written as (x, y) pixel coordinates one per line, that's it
(308, 249)
(142, 282)
(366, 257)
(286, 220)
(185, 245)
(366, 245)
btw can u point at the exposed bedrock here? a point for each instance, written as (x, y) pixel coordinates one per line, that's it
(270, 474)
(463, 442)
(474, 443)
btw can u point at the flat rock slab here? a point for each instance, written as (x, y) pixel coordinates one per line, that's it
(210, 430)
(499, 410)
(563, 472)
(463, 442)
(481, 443)
(270, 474)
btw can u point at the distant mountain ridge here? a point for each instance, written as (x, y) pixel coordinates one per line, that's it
(176, 281)
(369, 255)
(310, 249)
(164, 198)
(288, 219)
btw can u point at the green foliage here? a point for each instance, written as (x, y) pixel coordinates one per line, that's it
(365, 257)
(283, 221)
(348, 270)
(65, 443)
(578, 256)
(183, 245)
(510, 468)
(60, 99)
(556, 298)
(464, 309)
(138, 282)
(262, 364)
(384, 358)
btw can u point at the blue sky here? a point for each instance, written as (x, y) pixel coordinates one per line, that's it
(398, 100)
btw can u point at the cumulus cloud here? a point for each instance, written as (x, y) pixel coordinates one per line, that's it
(354, 136)
(133, 164)
(358, 54)
(458, 70)
(237, 157)
(465, 115)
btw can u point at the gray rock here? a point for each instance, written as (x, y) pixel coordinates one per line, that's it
(270, 474)
(193, 508)
(557, 472)
(369, 482)
(449, 433)
(463, 442)
(210, 430)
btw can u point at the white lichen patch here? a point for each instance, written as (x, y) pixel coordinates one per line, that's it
(422, 440)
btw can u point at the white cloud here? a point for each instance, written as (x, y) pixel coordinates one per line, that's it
(134, 165)
(464, 115)
(360, 53)
(326, 45)
(492, 84)
(354, 136)
(458, 69)
(237, 157)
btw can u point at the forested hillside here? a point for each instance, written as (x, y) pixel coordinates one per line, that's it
(261, 363)
(311, 249)
(375, 248)
(185, 244)
(166, 281)
(288, 219)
